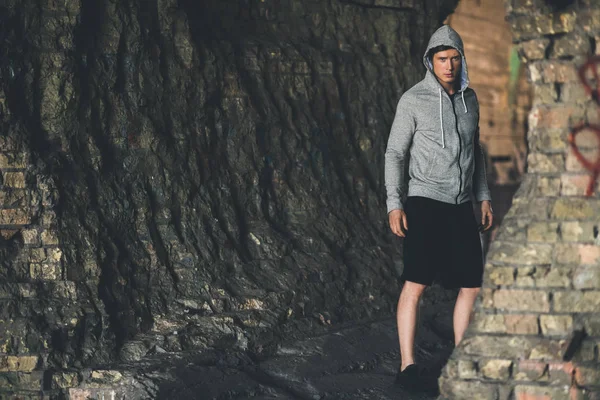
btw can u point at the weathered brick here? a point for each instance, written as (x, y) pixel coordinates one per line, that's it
(467, 369)
(489, 323)
(592, 117)
(547, 350)
(14, 198)
(560, 373)
(12, 160)
(543, 232)
(21, 381)
(48, 218)
(572, 44)
(472, 390)
(534, 49)
(106, 376)
(545, 277)
(30, 236)
(576, 301)
(80, 394)
(521, 300)
(589, 254)
(497, 369)
(61, 380)
(556, 324)
(547, 186)
(521, 324)
(587, 139)
(573, 164)
(574, 184)
(532, 25)
(547, 139)
(486, 298)
(519, 6)
(587, 376)
(586, 352)
(567, 253)
(525, 277)
(507, 347)
(545, 117)
(451, 369)
(545, 163)
(54, 255)
(36, 255)
(559, 71)
(8, 234)
(44, 271)
(49, 237)
(18, 363)
(544, 93)
(586, 277)
(530, 370)
(573, 92)
(14, 179)
(64, 290)
(591, 323)
(590, 20)
(521, 254)
(577, 231)
(14, 217)
(574, 208)
(513, 229)
(500, 276)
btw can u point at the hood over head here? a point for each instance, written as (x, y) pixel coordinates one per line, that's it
(446, 36)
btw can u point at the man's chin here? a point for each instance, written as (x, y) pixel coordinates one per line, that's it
(447, 80)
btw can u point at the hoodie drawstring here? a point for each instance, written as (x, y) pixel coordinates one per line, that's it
(442, 120)
(464, 104)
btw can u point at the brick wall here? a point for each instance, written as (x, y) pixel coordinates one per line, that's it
(38, 310)
(542, 276)
(487, 38)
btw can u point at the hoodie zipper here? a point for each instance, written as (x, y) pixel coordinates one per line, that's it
(459, 150)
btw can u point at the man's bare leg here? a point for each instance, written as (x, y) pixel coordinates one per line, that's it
(407, 320)
(462, 311)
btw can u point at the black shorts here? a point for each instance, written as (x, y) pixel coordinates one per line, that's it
(442, 244)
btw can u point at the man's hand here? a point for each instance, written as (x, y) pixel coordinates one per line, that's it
(398, 223)
(487, 215)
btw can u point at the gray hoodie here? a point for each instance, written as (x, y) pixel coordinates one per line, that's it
(439, 136)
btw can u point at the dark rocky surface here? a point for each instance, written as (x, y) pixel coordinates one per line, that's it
(357, 361)
(213, 170)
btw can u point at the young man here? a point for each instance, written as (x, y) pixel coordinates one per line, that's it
(435, 135)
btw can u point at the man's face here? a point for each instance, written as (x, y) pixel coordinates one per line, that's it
(446, 65)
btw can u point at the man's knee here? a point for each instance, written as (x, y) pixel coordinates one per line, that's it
(413, 289)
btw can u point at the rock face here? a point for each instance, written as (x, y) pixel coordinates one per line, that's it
(535, 331)
(182, 175)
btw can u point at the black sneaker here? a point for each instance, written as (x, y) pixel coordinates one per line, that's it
(414, 380)
(409, 378)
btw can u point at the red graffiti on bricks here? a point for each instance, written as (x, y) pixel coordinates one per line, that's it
(594, 167)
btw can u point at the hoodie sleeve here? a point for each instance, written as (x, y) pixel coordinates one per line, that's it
(396, 154)
(480, 186)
